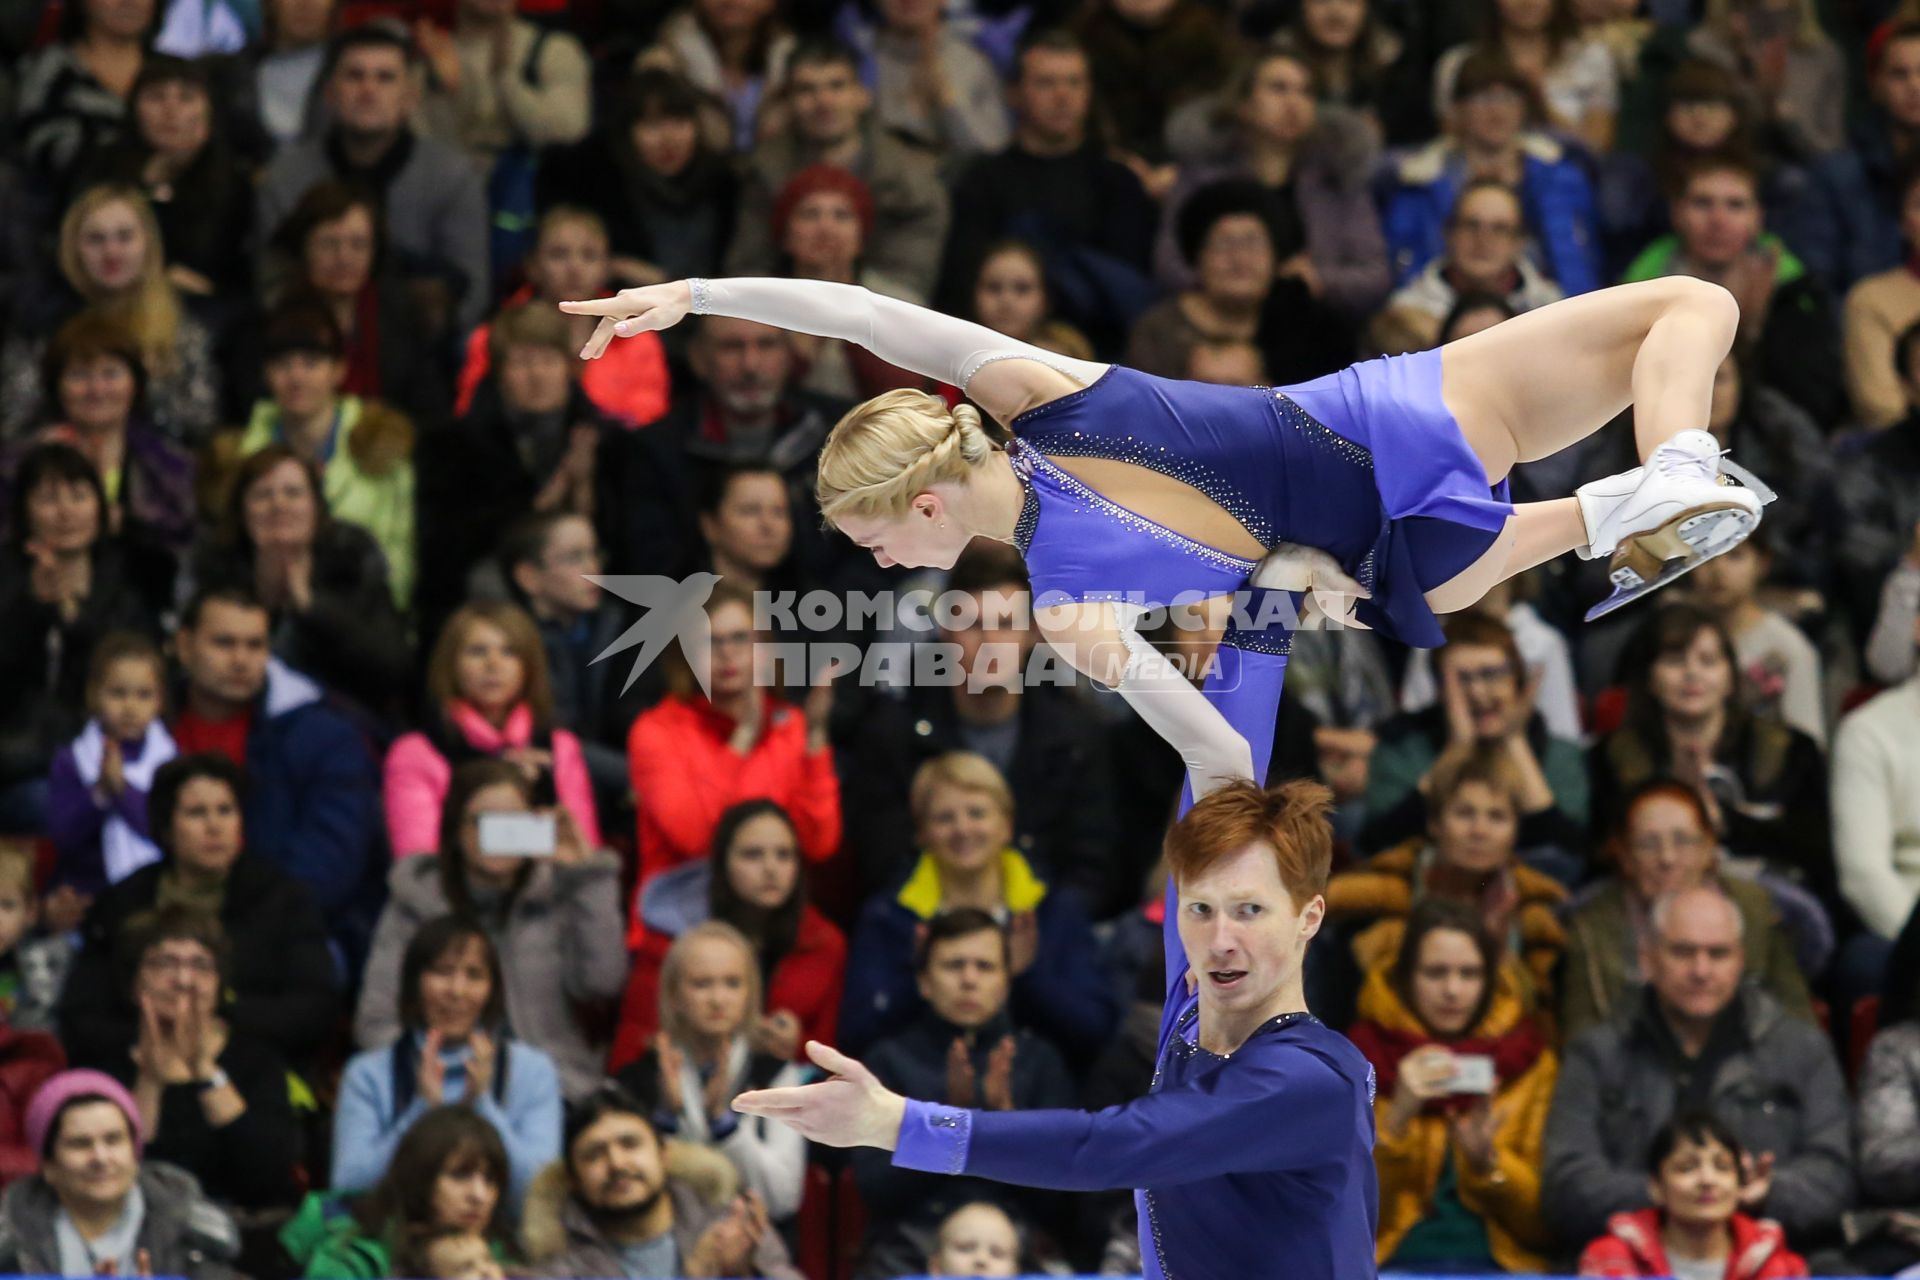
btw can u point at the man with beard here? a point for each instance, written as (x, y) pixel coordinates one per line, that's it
(622, 1203)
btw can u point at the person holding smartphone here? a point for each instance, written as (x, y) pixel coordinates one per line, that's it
(549, 900)
(1465, 1079)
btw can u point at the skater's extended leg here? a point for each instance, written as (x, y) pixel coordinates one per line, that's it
(1536, 533)
(1533, 385)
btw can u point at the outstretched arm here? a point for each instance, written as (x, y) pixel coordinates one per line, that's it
(914, 338)
(1297, 1107)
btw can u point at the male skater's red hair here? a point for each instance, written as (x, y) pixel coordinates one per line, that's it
(1291, 819)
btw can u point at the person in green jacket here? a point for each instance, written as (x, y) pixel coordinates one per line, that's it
(362, 447)
(1788, 323)
(449, 1173)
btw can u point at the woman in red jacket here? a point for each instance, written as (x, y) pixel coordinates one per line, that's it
(693, 757)
(752, 882)
(1695, 1230)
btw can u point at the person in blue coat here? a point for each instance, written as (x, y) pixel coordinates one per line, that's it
(1489, 137)
(454, 1047)
(1254, 1148)
(963, 809)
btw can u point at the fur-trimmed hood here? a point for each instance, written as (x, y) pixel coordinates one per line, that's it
(553, 1222)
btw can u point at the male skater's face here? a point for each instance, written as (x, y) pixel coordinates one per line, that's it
(1243, 935)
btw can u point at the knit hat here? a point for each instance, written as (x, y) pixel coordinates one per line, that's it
(64, 1088)
(814, 179)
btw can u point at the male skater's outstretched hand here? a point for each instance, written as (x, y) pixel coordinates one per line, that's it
(849, 1109)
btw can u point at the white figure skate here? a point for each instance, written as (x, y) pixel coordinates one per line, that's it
(1668, 517)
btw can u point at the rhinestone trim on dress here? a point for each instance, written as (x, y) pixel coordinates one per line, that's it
(1022, 459)
(1319, 431)
(1160, 459)
(1078, 490)
(698, 288)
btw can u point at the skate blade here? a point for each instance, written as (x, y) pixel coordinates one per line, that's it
(1653, 559)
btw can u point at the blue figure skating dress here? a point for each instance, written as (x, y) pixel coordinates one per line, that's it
(1366, 464)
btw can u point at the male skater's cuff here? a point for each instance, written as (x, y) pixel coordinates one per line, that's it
(934, 1138)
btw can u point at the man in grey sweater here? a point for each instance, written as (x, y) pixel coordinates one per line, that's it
(433, 204)
(1699, 1038)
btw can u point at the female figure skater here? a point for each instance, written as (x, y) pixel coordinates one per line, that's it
(1380, 490)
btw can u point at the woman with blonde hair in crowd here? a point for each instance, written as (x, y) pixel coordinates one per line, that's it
(704, 1056)
(112, 259)
(963, 809)
(488, 696)
(1464, 1082)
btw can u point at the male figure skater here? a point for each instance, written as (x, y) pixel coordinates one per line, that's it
(1252, 1155)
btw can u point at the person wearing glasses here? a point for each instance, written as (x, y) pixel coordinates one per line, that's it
(1665, 841)
(1487, 696)
(213, 1098)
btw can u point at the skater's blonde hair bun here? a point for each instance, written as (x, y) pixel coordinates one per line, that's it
(897, 445)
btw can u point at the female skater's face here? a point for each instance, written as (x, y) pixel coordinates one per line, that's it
(916, 540)
(1449, 978)
(1243, 936)
(1010, 296)
(1695, 680)
(1698, 1184)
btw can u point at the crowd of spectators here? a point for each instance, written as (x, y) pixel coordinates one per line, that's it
(357, 919)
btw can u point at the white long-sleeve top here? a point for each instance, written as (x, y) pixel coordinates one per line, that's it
(1876, 807)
